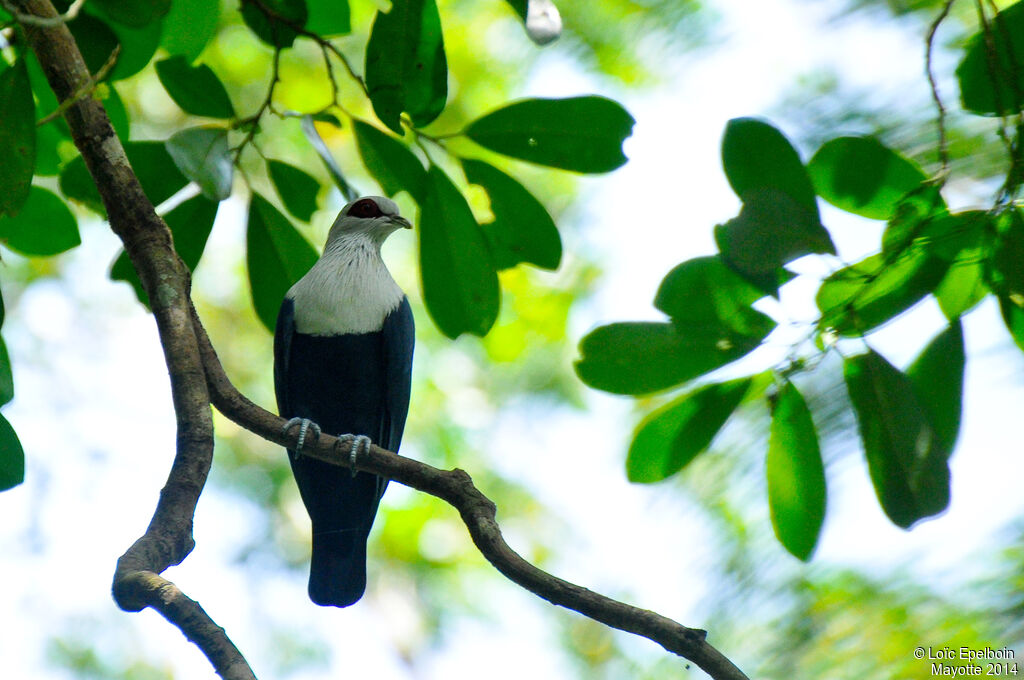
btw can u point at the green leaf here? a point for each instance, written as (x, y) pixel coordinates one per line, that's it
(6, 376)
(522, 230)
(704, 292)
(190, 223)
(274, 21)
(796, 474)
(862, 296)
(1005, 268)
(159, 176)
(937, 375)
(134, 13)
(329, 18)
(333, 169)
(757, 157)
(644, 357)
(116, 110)
(95, 39)
(863, 176)
(296, 188)
(1012, 309)
(899, 440)
(391, 163)
(584, 134)
(45, 226)
(202, 155)
(17, 137)
(189, 26)
(406, 67)
(771, 230)
(196, 89)
(920, 211)
(990, 75)
(277, 256)
(963, 286)
(12, 457)
(669, 438)
(138, 45)
(460, 285)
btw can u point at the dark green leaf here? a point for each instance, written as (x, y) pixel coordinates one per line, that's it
(48, 140)
(17, 137)
(796, 474)
(704, 292)
(45, 226)
(6, 377)
(645, 357)
(134, 13)
(296, 188)
(196, 89)
(159, 176)
(520, 7)
(275, 21)
(406, 67)
(277, 256)
(757, 157)
(329, 18)
(919, 211)
(333, 169)
(990, 75)
(963, 286)
(138, 45)
(190, 223)
(584, 134)
(771, 230)
(12, 457)
(522, 230)
(1005, 270)
(391, 163)
(937, 375)
(460, 285)
(869, 293)
(189, 26)
(669, 438)
(202, 155)
(95, 39)
(899, 441)
(862, 176)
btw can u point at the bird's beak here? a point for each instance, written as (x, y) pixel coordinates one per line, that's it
(400, 221)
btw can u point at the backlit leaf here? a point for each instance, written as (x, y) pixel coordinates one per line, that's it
(796, 474)
(863, 176)
(45, 226)
(990, 75)
(584, 134)
(522, 230)
(277, 256)
(460, 284)
(669, 438)
(703, 291)
(329, 18)
(275, 21)
(394, 166)
(406, 67)
(756, 157)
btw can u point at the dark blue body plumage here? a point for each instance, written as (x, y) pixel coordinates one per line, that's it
(347, 383)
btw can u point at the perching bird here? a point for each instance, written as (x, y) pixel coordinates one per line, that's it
(343, 360)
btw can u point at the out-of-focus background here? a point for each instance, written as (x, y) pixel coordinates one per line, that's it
(93, 409)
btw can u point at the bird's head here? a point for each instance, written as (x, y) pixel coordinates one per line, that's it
(373, 216)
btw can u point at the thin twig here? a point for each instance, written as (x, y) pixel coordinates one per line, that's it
(253, 121)
(940, 118)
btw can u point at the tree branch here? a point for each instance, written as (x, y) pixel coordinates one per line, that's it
(168, 538)
(478, 513)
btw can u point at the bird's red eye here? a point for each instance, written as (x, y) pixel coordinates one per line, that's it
(365, 207)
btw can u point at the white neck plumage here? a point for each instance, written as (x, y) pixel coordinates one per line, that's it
(348, 290)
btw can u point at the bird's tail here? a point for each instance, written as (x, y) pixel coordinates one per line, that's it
(337, 570)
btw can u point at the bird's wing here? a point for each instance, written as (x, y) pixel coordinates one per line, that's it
(399, 336)
(282, 351)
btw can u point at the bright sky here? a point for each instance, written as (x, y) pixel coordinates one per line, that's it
(61, 532)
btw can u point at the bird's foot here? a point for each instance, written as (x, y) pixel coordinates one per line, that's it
(305, 424)
(356, 442)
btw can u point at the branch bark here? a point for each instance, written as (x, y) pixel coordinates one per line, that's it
(197, 379)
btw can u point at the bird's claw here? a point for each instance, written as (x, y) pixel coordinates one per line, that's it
(356, 442)
(305, 424)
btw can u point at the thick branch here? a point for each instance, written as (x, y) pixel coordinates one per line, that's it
(478, 513)
(168, 539)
